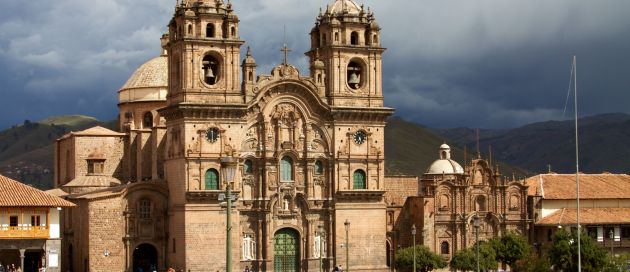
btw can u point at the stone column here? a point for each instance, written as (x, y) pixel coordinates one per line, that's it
(22, 259)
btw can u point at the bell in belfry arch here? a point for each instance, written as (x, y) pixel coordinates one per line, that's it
(354, 80)
(209, 73)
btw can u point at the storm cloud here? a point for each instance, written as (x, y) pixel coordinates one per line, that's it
(449, 63)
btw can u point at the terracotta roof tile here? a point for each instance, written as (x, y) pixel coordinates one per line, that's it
(16, 194)
(588, 216)
(592, 186)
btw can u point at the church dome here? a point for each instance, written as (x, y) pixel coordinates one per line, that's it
(319, 64)
(147, 83)
(345, 6)
(445, 165)
(374, 25)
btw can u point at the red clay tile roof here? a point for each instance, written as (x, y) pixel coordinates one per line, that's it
(590, 216)
(16, 194)
(592, 186)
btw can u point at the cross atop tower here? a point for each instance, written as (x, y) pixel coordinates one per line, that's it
(286, 51)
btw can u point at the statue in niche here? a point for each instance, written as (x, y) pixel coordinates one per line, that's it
(300, 179)
(285, 204)
(273, 179)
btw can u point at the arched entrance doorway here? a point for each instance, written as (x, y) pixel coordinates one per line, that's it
(286, 250)
(144, 258)
(32, 261)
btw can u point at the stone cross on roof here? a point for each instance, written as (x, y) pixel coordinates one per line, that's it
(286, 51)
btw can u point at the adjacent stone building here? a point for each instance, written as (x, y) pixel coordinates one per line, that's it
(448, 199)
(309, 148)
(30, 234)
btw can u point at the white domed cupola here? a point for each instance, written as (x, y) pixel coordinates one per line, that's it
(445, 152)
(445, 165)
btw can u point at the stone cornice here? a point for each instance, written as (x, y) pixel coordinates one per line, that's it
(360, 195)
(352, 114)
(204, 111)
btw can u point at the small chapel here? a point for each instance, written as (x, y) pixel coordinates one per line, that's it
(310, 178)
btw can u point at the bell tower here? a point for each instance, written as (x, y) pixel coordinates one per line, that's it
(346, 39)
(205, 54)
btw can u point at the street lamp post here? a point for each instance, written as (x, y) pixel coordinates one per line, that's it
(413, 233)
(228, 167)
(611, 235)
(347, 226)
(476, 226)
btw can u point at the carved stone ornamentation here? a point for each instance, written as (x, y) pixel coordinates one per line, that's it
(272, 179)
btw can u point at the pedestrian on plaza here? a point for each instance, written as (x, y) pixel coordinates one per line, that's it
(247, 269)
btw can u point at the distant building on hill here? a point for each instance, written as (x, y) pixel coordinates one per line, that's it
(30, 232)
(604, 208)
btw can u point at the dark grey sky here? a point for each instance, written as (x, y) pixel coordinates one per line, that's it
(449, 63)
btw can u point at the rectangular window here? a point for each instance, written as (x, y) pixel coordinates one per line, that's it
(35, 220)
(609, 232)
(13, 221)
(95, 167)
(625, 232)
(592, 232)
(174, 247)
(144, 210)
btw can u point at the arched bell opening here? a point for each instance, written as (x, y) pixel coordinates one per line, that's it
(210, 68)
(147, 120)
(354, 38)
(145, 258)
(210, 33)
(355, 75)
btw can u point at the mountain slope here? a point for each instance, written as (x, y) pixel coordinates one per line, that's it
(411, 148)
(603, 144)
(27, 150)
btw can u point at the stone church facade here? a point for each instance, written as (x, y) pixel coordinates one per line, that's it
(450, 197)
(309, 149)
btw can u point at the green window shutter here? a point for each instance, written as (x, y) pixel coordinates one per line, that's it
(212, 179)
(286, 168)
(359, 180)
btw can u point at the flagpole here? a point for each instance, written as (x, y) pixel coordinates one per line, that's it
(577, 165)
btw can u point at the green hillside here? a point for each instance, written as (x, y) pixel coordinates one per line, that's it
(27, 150)
(70, 120)
(410, 149)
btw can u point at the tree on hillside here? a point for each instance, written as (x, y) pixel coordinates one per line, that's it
(563, 252)
(510, 248)
(425, 260)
